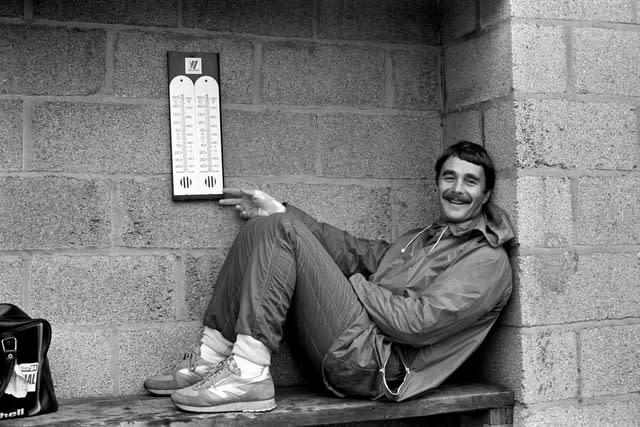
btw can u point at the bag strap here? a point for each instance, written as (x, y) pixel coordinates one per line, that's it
(9, 347)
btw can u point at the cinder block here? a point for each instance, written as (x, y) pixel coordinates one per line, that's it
(539, 58)
(479, 69)
(12, 8)
(149, 351)
(499, 135)
(51, 60)
(562, 415)
(10, 135)
(607, 61)
(401, 21)
(285, 18)
(597, 10)
(624, 412)
(571, 287)
(614, 412)
(141, 64)
(550, 367)
(146, 12)
(610, 360)
(544, 211)
(102, 289)
(152, 219)
(416, 79)
(11, 281)
(81, 363)
(362, 211)
(269, 143)
(311, 74)
(201, 274)
(555, 133)
(607, 211)
(416, 206)
(457, 18)
(79, 137)
(465, 125)
(379, 146)
(494, 11)
(54, 212)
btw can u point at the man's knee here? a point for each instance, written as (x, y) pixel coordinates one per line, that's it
(271, 225)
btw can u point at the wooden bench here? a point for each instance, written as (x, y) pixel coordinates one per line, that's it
(489, 405)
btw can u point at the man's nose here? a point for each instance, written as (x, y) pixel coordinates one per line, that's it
(458, 186)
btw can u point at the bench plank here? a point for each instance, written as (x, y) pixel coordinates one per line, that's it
(296, 406)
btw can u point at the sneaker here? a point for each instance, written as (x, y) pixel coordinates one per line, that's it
(188, 371)
(224, 390)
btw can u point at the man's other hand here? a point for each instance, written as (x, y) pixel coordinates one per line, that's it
(251, 203)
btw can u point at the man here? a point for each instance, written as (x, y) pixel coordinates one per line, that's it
(370, 319)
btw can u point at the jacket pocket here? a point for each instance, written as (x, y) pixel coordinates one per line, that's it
(354, 363)
(347, 379)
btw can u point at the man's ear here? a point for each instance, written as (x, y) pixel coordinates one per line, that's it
(487, 196)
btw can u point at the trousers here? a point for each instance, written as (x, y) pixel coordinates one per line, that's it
(277, 271)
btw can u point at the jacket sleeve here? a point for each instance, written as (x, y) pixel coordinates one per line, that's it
(351, 254)
(478, 283)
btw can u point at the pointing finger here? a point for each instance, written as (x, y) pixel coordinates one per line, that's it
(232, 192)
(229, 202)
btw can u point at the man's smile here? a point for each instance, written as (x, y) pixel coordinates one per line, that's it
(456, 200)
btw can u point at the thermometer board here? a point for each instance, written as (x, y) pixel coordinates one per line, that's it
(196, 139)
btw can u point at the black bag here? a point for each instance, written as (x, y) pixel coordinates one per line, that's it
(24, 343)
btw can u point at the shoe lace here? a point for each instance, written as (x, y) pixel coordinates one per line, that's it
(221, 369)
(190, 358)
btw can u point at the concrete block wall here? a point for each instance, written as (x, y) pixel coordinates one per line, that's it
(565, 130)
(577, 92)
(331, 105)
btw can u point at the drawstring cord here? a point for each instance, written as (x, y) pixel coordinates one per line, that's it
(438, 241)
(416, 236)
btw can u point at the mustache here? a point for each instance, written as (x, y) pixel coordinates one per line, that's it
(452, 195)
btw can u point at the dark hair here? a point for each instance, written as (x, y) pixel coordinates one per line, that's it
(472, 153)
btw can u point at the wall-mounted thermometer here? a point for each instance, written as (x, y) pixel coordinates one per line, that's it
(196, 138)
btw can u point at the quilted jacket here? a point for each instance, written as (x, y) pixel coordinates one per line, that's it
(431, 296)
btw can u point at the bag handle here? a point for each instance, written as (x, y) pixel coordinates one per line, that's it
(9, 348)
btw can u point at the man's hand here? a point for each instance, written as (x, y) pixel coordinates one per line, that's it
(251, 203)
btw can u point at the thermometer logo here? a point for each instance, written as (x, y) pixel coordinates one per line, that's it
(193, 65)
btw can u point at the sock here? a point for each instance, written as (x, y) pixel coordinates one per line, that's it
(214, 348)
(250, 355)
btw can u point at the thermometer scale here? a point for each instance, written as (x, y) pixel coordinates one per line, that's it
(196, 139)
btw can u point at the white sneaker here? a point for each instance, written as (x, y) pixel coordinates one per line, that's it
(224, 390)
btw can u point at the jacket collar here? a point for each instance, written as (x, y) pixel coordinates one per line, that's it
(492, 222)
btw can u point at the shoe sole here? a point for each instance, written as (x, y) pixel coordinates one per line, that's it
(160, 392)
(257, 406)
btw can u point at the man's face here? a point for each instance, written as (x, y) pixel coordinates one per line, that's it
(461, 190)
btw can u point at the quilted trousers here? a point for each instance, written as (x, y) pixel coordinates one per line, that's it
(277, 271)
